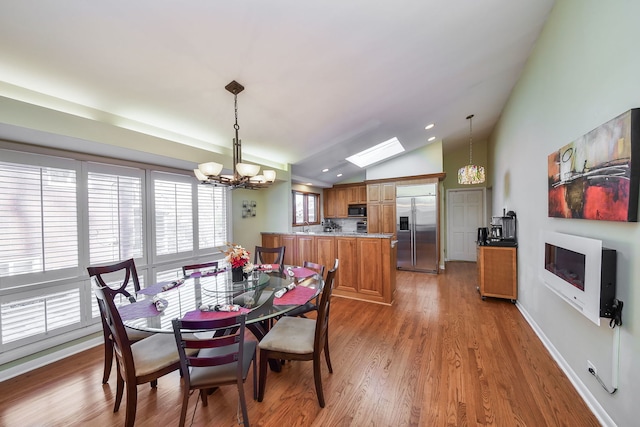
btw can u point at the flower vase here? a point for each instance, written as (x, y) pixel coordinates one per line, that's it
(237, 275)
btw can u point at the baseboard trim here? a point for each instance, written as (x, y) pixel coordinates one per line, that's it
(580, 387)
(49, 358)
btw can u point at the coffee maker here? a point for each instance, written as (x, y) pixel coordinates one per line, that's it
(503, 229)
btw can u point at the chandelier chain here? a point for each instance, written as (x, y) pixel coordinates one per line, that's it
(235, 100)
(470, 139)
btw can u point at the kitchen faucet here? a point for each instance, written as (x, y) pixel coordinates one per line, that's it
(303, 228)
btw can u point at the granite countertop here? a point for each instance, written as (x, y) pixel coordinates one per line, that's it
(335, 233)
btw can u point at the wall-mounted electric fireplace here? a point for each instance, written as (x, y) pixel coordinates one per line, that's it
(581, 272)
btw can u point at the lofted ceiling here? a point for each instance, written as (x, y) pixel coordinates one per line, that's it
(323, 78)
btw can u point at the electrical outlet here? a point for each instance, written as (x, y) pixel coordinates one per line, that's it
(591, 368)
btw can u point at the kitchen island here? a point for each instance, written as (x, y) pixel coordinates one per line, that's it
(367, 269)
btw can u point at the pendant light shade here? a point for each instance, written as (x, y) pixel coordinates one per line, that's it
(471, 174)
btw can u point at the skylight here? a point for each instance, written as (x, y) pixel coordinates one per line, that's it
(377, 153)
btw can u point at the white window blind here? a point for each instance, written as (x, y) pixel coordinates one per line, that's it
(115, 217)
(173, 216)
(212, 216)
(39, 230)
(39, 315)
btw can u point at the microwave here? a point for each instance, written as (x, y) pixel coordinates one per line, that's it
(357, 210)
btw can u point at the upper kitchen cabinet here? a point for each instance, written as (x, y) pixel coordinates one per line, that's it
(338, 199)
(382, 192)
(357, 195)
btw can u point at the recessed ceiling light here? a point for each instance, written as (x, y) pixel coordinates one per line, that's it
(429, 126)
(325, 170)
(431, 139)
(376, 153)
(309, 183)
(339, 175)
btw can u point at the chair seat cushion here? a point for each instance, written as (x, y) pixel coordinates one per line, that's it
(213, 376)
(154, 353)
(135, 334)
(290, 335)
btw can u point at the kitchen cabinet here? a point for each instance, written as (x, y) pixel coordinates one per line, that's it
(306, 250)
(291, 243)
(338, 199)
(381, 208)
(326, 251)
(366, 268)
(497, 272)
(347, 275)
(384, 192)
(330, 204)
(357, 195)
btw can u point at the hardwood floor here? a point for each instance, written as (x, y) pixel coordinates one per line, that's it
(440, 356)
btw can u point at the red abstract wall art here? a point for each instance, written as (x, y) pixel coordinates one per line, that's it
(597, 175)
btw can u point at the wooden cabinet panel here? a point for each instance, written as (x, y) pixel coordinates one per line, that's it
(330, 205)
(370, 273)
(373, 218)
(357, 195)
(388, 218)
(326, 251)
(497, 272)
(341, 202)
(347, 275)
(373, 193)
(271, 240)
(306, 250)
(290, 242)
(388, 192)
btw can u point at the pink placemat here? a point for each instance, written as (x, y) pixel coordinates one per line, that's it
(212, 315)
(160, 287)
(302, 272)
(139, 309)
(297, 296)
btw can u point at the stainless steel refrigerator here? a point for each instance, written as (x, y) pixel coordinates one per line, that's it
(416, 225)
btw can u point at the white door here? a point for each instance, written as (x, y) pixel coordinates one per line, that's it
(465, 213)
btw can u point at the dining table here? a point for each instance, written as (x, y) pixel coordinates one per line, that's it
(208, 294)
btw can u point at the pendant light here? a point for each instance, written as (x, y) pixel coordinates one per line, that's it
(245, 175)
(471, 174)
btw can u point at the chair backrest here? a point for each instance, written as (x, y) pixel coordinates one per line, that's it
(126, 272)
(322, 321)
(227, 340)
(264, 255)
(111, 319)
(188, 269)
(313, 266)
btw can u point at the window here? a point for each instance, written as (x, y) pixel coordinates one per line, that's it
(173, 216)
(115, 215)
(212, 216)
(305, 208)
(61, 215)
(39, 230)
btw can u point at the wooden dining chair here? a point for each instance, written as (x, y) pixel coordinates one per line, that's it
(141, 362)
(297, 338)
(264, 255)
(223, 359)
(188, 269)
(127, 275)
(310, 306)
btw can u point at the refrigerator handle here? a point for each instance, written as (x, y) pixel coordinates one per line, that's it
(413, 232)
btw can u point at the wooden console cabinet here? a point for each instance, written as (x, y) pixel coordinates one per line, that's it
(497, 272)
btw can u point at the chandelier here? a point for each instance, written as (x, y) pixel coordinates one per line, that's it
(245, 175)
(471, 174)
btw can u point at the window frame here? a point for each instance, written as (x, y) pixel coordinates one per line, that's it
(305, 207)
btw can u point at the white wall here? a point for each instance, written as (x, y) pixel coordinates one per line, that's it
(583, 72)
(425, 160)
